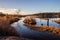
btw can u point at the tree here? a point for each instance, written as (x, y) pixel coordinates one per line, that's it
(17, 12)
(1, 14)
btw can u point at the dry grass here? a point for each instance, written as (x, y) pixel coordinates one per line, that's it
(5, 28)
(57, 21)
(6, 31)
(44, 18)
(50, 29)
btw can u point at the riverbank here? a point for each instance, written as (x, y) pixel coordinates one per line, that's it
(50, 29)
(6, 31)
(57, 21)
(44, 18)
(5, 28)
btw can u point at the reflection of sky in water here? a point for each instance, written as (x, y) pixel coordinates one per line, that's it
(44, 22)
(25, 31)
(41, 21)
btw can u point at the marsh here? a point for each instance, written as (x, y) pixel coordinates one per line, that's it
(30, 33)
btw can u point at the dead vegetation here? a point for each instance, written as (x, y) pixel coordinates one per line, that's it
(6, 31)
(5, 28)
(50, 29)
(57, 21)
(44, 18)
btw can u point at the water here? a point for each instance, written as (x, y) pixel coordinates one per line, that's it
(51, 22)
(29, 33)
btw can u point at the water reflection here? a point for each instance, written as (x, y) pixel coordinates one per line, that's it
(27, 32)
(44, 22)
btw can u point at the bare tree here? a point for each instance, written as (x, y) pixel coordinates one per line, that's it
(17, 12)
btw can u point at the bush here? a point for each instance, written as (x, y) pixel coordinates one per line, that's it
(1, 14)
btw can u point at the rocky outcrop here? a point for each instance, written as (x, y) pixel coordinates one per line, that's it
(29, 20)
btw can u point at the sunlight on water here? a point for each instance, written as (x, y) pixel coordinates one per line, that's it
(27, 32)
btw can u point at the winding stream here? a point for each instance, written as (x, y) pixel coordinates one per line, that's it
(29, 33)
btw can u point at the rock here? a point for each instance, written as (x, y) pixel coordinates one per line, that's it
(29, 20)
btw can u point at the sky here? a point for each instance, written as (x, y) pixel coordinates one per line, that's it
(32, 6)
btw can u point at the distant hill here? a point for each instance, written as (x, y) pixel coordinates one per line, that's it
(23, 14)
(46, 15)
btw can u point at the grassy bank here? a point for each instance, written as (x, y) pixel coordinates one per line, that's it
(57, 21)
(5, 28)
(50, 29)
(6, 31)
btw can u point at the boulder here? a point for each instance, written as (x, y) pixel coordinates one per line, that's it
(29, 20)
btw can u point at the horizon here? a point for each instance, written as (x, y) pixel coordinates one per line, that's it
(14, 12)
(32, 6)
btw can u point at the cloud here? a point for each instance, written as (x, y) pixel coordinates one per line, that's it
(13, 11)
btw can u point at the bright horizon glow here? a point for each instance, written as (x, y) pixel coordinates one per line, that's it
(32, 6)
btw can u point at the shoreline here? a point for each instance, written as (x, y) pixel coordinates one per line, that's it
(7, 32)
(50, 29)
(57, 21)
